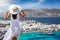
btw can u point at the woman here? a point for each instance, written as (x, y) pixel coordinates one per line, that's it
(14, 12)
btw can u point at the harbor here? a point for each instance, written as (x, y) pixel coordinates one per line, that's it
(30, 26)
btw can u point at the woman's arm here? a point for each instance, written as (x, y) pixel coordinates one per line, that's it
(22, 14)
(7, 15)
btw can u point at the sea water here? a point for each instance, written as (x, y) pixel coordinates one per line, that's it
(39, 36)
(48, 20)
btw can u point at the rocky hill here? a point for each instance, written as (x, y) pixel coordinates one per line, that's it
(40, 13)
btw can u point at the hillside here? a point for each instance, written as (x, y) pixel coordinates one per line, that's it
(40, 13)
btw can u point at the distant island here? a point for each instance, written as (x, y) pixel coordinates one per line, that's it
(42, 12)
(39, 12)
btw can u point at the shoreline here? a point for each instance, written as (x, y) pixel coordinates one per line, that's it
(31, 26)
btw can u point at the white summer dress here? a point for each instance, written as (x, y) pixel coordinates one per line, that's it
(14, 30)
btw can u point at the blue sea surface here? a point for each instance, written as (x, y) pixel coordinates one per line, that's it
(47, 20)
(39, 36)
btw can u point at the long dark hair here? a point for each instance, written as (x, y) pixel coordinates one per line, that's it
(14, 16)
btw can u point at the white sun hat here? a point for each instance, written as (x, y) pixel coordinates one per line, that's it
(14, 7)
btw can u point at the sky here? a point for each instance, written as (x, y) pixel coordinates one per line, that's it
(30, 4)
